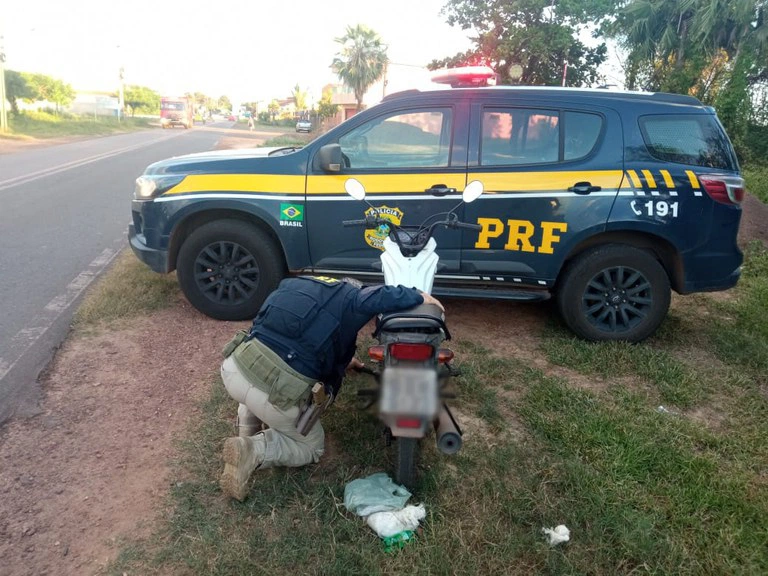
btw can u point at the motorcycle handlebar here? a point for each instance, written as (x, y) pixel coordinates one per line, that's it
(354, 222)
(468, 226)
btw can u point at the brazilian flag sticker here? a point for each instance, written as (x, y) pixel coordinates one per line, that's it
(291, 215)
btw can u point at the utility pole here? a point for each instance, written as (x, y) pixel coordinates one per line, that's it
(121, 100)
(3, 111)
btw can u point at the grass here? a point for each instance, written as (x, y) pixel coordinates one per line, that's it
(288, 140)
(756, 176)
(128, 289)
(43, 125)
(643, 491)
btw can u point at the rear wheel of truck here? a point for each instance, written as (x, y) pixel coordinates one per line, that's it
(226, 269)
(614, 292)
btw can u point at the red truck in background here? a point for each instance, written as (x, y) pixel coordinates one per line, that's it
(176, 112)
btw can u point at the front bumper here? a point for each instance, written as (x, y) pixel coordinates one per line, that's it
(155, 259)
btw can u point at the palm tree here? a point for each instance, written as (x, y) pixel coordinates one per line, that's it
(362, 60)
(300, 98)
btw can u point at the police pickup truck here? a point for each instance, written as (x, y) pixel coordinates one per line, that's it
(606, 200)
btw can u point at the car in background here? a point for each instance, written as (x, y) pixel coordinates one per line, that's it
(304, 126)
(232, 118)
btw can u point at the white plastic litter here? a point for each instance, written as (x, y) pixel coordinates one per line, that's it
(387, 524)
(558, 535)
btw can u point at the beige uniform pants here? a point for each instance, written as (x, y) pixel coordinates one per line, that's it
(284, 445)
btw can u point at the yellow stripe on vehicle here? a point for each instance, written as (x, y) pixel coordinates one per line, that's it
(385, 183)
(256, 183)
(693, 179)
(538, 181)
(667, 179)
(635, 179)
(649, 178)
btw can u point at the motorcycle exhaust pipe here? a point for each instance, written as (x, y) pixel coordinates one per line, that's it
(447, 432)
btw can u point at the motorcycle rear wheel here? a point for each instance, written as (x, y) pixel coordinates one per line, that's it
(407, 453)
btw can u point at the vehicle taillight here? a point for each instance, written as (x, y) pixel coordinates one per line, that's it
(376, 353)
(444, 355)
(415, 352)
(408, 423)
(723, 188)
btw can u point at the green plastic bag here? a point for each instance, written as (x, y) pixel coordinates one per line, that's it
(376, 493)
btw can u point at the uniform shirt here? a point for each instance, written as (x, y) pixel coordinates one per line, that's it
(312, 323)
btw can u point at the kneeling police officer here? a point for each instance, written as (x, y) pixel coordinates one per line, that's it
(295, 356)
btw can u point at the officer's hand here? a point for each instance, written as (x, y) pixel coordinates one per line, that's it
(355, 364)
(429, 299)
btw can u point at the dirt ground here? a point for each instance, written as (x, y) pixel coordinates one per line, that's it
(93, 465)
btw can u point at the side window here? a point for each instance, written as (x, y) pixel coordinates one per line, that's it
(418, 139)
(519, 136)
(687, 139)
(581, 131)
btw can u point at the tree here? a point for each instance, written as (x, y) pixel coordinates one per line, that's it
(300, 97)
(541, 36)
(362, 60)
(42, 87)
(224, 103)
(16, 87)
(325, 108)
(273, 108)
(143, 99)
(716, 50)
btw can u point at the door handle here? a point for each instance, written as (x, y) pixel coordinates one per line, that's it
(584, 188)
(440, 190)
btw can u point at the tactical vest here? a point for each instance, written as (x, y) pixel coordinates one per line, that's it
(302, 317)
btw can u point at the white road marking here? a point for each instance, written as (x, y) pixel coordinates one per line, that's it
(26, 178)
(26, 337)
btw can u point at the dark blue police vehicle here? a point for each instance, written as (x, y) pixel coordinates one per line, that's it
(607, 200)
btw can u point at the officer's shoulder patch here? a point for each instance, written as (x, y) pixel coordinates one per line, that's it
(323, 279)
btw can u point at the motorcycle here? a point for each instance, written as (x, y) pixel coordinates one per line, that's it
(414, 370)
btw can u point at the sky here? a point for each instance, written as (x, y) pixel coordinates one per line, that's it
(247, 50)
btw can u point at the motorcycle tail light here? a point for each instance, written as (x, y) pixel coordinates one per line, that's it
(444, 355)
(408, 423)
(376, 353)
(415, 352)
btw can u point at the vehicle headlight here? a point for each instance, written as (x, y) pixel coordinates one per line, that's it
(148, 186)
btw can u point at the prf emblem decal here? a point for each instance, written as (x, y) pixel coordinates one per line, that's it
(292, 215)
(375, 238)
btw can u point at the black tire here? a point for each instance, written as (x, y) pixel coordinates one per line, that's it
(226, 269)
(614, 292)
(407, 452)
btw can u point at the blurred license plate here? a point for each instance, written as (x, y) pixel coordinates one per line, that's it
(411, 391)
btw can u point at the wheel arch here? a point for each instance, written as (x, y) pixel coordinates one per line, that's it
(662, 249)
(191, 222)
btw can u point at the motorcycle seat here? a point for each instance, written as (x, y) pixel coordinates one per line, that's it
(421, 317)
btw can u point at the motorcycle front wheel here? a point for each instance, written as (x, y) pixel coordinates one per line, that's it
(407, 452)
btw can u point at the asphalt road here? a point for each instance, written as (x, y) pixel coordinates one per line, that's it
(64, 213)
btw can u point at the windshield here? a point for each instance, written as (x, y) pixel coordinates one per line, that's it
(172, 106)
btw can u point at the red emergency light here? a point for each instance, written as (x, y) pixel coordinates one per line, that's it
(465, 77)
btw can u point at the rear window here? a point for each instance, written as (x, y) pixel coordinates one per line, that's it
(687, 139)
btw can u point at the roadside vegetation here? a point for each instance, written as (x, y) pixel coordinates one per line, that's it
(654, 455)
(48, 125)
(128, 289)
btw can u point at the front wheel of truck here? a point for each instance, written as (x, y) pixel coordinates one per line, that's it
(226, 268)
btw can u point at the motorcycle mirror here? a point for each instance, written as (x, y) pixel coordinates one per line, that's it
(355, 189)
(472, 192)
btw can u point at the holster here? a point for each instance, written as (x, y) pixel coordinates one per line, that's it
(317, 403)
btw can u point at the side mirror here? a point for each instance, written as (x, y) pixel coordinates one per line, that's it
(329, 158)
(473, 191)
(355, 189)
